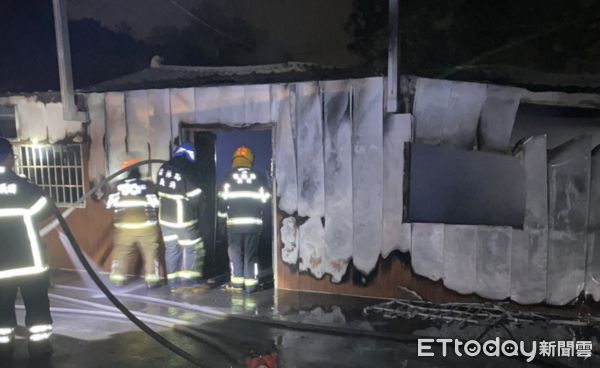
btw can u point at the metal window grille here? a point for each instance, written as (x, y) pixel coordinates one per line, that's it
(57, 169)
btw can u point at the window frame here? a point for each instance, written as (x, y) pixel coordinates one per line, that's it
(8, 113)
(67, 184)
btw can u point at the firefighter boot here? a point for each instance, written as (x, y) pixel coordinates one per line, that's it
(39, 341)
(235, 284)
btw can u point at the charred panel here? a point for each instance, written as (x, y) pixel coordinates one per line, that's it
(453, 186)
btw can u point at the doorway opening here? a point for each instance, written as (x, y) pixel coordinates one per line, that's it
(215, 148)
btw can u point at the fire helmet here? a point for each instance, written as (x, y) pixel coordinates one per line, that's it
(243, 157)
(186, 150)
(126, 163)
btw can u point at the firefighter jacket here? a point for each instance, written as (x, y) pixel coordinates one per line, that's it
(241, 201)
(22, 205)
(179, 193)
(134, 203)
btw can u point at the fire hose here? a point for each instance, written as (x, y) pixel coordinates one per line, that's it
(60, 220)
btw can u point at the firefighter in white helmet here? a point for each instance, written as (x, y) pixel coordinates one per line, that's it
(135, 206)
(241, 202)
(22, 264)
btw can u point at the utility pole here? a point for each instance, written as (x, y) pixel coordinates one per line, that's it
(63, 48)
(393, 56)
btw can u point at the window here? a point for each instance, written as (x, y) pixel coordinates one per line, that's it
(57, 169)
(8, 123)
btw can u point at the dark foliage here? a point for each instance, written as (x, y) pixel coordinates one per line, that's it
(232, 43)
(441, 37)
(368, 26)
(29, 61)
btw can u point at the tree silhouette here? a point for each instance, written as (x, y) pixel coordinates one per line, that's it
(29, 61)
(441, 37)
(367, 25)
(232, 42)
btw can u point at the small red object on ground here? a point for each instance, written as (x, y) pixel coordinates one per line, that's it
(264, 361)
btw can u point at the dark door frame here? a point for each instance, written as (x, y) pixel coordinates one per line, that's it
(186, 135)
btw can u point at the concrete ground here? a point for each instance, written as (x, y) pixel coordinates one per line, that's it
(224, 328)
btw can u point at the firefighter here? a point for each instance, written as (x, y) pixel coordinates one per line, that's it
(135, 207)
(242, 199)
(181, 203)
(22, 265)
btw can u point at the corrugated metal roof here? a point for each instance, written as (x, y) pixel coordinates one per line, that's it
(174, 76)
(532, 80)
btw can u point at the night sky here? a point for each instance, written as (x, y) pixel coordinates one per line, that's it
(111, 38)
(450, 39)
(307, 30)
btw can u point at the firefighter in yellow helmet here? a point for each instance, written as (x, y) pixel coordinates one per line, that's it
(22, 264)
(134, 204)
(242, 198)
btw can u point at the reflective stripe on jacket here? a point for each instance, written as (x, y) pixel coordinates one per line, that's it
(22, 205)
(134, 204)
(241, 201)
(179, 193)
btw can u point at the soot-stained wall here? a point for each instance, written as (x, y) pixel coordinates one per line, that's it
(341, 178)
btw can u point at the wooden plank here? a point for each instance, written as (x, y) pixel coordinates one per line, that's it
(207, 105)
(116, 129)
(97, 163)
(285, 151)
(427, 250)
(393, 56)
(58, 128)
(183, 108)
(592, 281)
(289, 238)
(460, 257)
(309, 150)
(497, 119)
(447, 112)
(31, 115)
(568, 199)
(493, 262)
(367, 172)
(161, 139)
(312, 251)
(138, 125)
(257, 104)
(397, 131)
(529, 248)
(231, 105)
(338, 176)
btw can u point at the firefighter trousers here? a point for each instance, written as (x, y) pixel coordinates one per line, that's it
(184, 253)
(127, 244)
(243, 258)
(34, 290)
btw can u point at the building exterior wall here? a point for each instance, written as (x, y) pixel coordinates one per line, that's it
(340, 180)
(491, 262)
